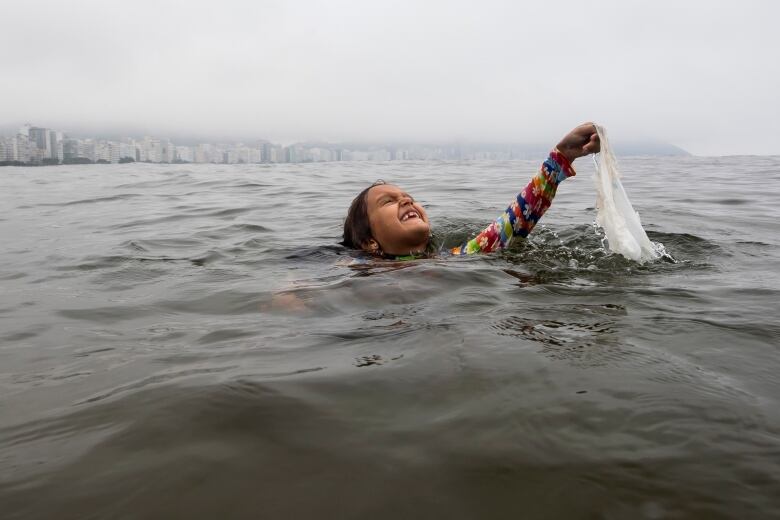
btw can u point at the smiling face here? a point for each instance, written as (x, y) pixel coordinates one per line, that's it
(399, 226)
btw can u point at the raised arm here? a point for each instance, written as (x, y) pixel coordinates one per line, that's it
(533, 201)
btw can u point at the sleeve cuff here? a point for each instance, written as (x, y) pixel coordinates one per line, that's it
(566, 170)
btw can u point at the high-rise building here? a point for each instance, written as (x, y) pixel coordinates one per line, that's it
(21, 148)
(265, 151)
(152, 150)
(107, 151)
(167, 152)
(185, 154)
(203, 153)
(232, 156)
(40, 143)
(277, 154)
(87, 150)
(319, 154)
(128, 150)
(54, 145)
(293, 154)
(70, 149)
(59, 151)
(255, 155)
(115, 152)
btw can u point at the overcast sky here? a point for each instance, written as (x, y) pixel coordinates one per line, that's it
(703, 75)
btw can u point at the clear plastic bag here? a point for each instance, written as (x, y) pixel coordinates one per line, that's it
(615, 214)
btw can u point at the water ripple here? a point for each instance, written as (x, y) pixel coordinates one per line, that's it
(194, 330)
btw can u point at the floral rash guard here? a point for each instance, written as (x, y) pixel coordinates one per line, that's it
(525, 211)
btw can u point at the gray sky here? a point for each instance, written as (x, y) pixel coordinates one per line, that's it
(704, 75)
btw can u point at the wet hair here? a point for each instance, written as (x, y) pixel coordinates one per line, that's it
(357, 228)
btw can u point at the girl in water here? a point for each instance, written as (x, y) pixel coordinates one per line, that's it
(386, 221)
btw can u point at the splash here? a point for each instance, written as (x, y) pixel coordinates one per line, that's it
(616, 215)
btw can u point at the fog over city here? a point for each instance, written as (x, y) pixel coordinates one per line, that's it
(700, 75)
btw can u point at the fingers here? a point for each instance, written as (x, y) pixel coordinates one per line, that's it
(593, 145)
(586, 128)
(584, 133)
(583, 140)
(579, 137)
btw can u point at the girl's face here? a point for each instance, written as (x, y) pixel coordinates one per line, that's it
(398, 224)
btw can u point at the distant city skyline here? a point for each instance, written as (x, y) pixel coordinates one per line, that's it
(36, 145)
(118, 133)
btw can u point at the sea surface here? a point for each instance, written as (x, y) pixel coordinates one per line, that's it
(190, 341)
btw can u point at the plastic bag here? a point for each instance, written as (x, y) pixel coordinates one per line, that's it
(615, 214)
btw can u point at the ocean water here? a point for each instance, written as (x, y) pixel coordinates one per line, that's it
(189, 341)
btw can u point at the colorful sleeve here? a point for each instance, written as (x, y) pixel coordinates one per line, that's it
(525, 211)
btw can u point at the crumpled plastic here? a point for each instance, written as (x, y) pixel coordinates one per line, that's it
(615, 214)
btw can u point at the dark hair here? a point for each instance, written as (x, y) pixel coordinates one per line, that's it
(357, 228)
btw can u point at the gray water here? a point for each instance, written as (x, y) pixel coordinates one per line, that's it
(190, 341)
